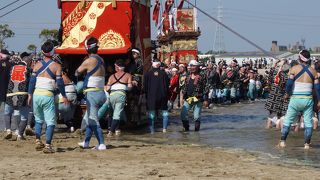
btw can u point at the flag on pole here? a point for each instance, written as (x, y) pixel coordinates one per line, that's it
(181, 4)
(156, 11)
(168, 5)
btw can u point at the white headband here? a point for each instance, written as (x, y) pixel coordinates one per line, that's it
(155, 64)
(90, 46)
(303, 58)
(136, 51)
(49, 54)
(3, 56)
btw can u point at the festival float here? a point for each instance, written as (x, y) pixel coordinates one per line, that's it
(178, 32)
(119, 25)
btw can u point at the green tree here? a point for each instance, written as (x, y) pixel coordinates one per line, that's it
(5, 32)
(32, 48)
(47, 34)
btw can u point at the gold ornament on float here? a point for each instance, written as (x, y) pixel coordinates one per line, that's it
(111, 40)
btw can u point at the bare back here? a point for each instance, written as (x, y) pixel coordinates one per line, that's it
(125, 79)
(119, 77)
(305, 77)
(89, 64)
(55, 68)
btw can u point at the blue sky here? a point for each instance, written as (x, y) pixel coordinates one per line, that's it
(261, 21)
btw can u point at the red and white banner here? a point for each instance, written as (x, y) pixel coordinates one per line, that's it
(168, 5)
(156, 11)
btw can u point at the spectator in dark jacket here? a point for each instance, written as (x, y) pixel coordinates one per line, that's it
(5, 67)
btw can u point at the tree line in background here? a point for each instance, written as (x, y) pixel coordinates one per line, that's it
(44, 35)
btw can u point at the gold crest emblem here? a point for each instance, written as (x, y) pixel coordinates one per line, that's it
(111, 40)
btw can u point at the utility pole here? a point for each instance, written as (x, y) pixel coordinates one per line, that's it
(218, 43)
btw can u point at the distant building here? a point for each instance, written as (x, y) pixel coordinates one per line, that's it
(283, 48)
(297, 47)
(276, 49)
(316, 49)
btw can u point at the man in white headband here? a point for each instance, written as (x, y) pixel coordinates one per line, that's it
(93, 84)
(46, 75)
(135, 68)
(156, 87)
(303, 80)
(136, 55)
(135, 51)
(156, 64)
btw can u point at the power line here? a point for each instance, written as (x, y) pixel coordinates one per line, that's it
(270, 20)
(248, 20)
(253, 19)
(204, 21)
(268, 17)
(276, 14)
(256, 15)
(265, 13)
(231, 30)
(9, 4)
(16, 8)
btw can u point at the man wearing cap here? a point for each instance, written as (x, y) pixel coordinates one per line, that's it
(194, 92)
(17, 96)
(44, 79)
(156, 88)
(93, 86)
(118, 85)
(5, 67)
(303, 79)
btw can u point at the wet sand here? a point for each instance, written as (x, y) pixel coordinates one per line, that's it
(136, 159)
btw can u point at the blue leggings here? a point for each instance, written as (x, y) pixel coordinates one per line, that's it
(152, 116)
(297, 105)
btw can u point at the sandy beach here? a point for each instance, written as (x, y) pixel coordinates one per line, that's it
(137, 160)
